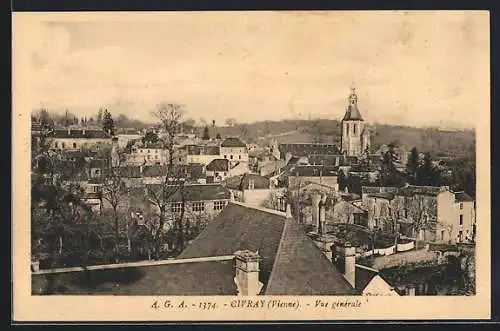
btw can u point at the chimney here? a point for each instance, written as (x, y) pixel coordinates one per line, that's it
(69, 132)
(344, 257)
(322, 213)
(141, 169)
(247, 273)
(83, 131)
(289, 211)
(316, 200)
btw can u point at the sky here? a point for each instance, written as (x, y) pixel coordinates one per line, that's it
(414, 68)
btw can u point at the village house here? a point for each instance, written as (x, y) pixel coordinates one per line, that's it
(203, 154)
(251, 189)
(234, 150)
(67, 139)
(317, 174)
(125, 136)
(217, 170)
(201, 201)
(136, 176)
(436, 213)
(148, 154)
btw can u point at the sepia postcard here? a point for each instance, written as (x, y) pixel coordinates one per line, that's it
(245, 166)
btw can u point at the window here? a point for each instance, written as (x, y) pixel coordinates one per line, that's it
(176, 207)
(239, 157)
(460, 236)
(231, 157)
(461, 219)
(74, 145)
(225, 156)
(149, 157)
(180, 159)
(63, 145)
(95, 188)
(216, 174)
(347, 129)
(442, 234)
(461, 205)
(219, 205)
(354, 128)
(55, 144)
(198, 206)
(156, 157)
(149, 151)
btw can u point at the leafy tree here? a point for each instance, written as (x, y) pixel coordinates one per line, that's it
(389, 175)
(206, 134)
(150, 138)
(108, 123)
(218, 137)
(412, 165)
(427, 175)
(213, 123)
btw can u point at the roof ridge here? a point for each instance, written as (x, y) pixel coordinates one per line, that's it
(278, 254)
(267, 210)
(136, 264)
(366, 268)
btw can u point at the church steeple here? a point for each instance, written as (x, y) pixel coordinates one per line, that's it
(352, 113)
(354, 137)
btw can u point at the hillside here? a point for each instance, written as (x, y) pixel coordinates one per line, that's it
(437, 142)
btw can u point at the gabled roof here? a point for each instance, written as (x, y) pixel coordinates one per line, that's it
(195, 192)
(233, 142)
(218, 165)
(313, 171)
(352, 113)
(204, 277)
(463, 197)
(79, 134)
(363, 276)
(383, 195)
(202, 149)
(290, 264)
(411, 190)
(241, 182)
(306, 149)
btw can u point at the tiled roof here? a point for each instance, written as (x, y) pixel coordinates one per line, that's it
(233, 142)
(241, 182)
(147, 171)
(328, 160)
(202, 150)
(218, 165)
(313, 171)
(78, 133)
(352, 113)
(363, 276)
(98, 163)
(419, 190)
(301, 269)
(384, 195)
(195, 192)
(236, 228)
(378, 189)
(306, 149)
(462, 197)
(290, 264)
(191, 278)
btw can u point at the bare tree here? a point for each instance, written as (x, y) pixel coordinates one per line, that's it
(231, 122)
(114, 192)
(170, 117)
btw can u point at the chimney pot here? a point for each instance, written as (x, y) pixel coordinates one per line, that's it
(289, 211)
(247, 272)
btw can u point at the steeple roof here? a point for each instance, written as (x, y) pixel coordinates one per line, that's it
(352, 113)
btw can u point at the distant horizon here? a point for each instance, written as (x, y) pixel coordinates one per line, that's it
(255, 66)
(218, 124)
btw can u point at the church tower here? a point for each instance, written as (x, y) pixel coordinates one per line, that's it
(355, 135)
